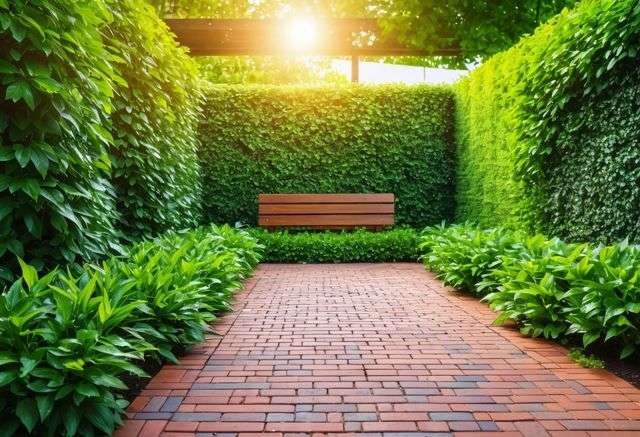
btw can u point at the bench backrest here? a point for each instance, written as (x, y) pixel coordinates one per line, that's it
(326, 211)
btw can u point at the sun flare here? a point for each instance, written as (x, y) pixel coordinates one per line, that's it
(303, 34)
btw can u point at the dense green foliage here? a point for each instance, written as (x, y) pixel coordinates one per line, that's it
(68, 338)
(327, 140)
(551, 288)
(268, 70)
(479, 28)
(487, 191)
(55, 198)
(154, 123)
(399, 244)
(556, 112)
(463, 255)
(593, 174)
(98, 123)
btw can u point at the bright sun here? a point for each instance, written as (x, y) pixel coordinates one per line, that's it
(303, 34)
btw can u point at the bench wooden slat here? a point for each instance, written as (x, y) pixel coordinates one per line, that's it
(328, 220)
(326, 208)
(326, 198)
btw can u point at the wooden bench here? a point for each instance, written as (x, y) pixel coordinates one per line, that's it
(326, 211)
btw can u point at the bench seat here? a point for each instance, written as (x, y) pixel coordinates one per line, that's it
(326, 211)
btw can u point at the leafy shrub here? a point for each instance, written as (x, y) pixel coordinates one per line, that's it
(154, 152)
(261, 139)
(56, 202)
(332, 247)
(551, 288)
(68, 338)
(184, 278)
(532, 286)
(463, 255)
(546, 130)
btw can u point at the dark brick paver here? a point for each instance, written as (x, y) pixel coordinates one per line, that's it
(379, 350)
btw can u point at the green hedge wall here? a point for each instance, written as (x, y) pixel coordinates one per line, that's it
(154, 153)
(98, 119)
(327, 139)
(546, 129)
(487, 191)
(56, 202)
(594, 172)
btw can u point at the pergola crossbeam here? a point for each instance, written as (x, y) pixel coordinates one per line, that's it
(338, 37)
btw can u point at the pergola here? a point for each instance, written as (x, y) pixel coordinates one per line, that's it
(336, 37)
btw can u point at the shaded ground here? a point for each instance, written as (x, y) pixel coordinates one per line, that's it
(382, 349)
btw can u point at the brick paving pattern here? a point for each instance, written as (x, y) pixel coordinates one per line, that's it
(379, 350)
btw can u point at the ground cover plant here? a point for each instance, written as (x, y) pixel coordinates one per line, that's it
(551, 288)
(322, 139)
(68, 338)
(546, 130)
(399, 244)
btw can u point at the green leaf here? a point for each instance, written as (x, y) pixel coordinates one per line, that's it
(71, 420)
(28, 364)
(23, 155)
(29, 273)
(7, 358)
(21, 90)
(40, 161)
(7, 68)
(102, 418)
(48, 85)
(627, 351)
(7, 377)
(87, 389)
(32, 188)
(587, 339)
(45, 406)
(27, 412)
(106, 380)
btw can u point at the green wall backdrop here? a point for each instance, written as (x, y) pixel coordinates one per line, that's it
(261, 139)
(547, 130)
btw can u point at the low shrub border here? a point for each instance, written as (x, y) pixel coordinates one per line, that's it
(400, 244)
(69, 337)
(551, 288)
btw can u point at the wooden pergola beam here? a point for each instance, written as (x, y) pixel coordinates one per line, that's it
(337, 37)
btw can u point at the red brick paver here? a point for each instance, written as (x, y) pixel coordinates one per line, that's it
(380, 350)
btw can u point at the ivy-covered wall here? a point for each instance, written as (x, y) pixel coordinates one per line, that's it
(593, 173)
(154, 123)
(262, 139)
(547, 131)
(98, 119)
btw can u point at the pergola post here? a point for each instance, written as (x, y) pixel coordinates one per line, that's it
(355, 68)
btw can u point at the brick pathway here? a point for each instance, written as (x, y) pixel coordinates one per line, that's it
(378, 350)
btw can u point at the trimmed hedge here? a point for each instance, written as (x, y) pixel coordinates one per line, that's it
(68, 338)
(154, 123)
(546, 129)
(593, 174)
(260, 139)
(551, 288)
(93, 94)
(338, 247)
(56, 202)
